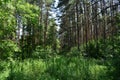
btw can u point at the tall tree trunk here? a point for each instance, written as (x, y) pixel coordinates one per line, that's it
(77, 26)
(45, 28)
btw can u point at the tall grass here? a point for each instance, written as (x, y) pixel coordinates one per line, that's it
(55, 68)
(77, 69)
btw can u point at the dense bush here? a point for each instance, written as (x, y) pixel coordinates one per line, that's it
(43, 53)
(76, 68)
(74, 52)
(114, 61)
(8, 49)
(57, 68)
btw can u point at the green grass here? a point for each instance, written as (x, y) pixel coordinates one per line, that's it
(58, 68)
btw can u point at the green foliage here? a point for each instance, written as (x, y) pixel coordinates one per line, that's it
(43, 53)
(94, 49)
(28, 69)
(46, 64)
(76, 68)
(7, 19)
(4, 70)
(113, 65)
(56, 68)
(28, 12)
(52, 35)
(52, 39)
(8, 49)
(114, 68)
(108, 50)
(102, 48)
(74, 52)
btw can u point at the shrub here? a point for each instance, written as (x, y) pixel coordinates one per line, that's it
(74, 52)
(7, 49)
(75, 68)
(43, 53)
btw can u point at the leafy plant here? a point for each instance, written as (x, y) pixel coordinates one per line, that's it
(43, 53)
(8, 49)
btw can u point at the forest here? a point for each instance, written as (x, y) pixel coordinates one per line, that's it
(59, 39)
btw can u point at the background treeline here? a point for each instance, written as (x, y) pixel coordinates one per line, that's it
(82, 45)
(86, 20)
